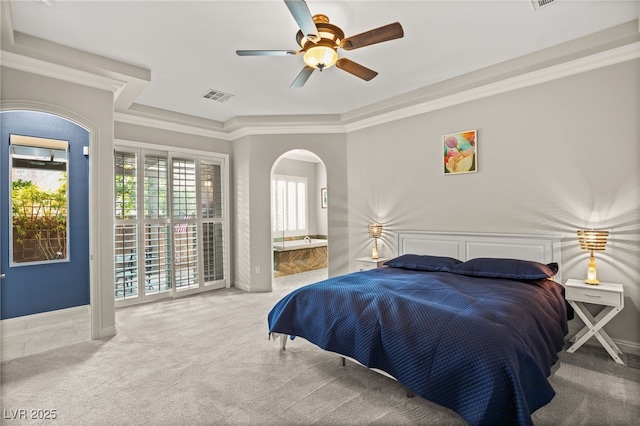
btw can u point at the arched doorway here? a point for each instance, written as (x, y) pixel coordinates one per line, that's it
(299, 230)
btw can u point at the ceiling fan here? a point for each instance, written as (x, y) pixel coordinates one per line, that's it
(319, 41)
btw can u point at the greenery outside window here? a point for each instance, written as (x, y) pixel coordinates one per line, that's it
(39, 226)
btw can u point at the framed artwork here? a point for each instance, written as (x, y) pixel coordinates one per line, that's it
(323, 198)
(460, 152)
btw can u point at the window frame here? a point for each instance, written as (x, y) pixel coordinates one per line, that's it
(171, 153)
(38, 142)
(286, 232)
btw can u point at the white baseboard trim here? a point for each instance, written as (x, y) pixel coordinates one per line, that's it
(626, 346)
(36, 333)
(108, 332)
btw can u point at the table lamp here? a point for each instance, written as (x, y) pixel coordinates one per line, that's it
(594, 241)
(375, 231)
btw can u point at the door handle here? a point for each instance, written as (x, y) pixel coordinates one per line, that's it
(1, 276)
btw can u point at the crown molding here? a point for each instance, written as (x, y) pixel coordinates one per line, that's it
(248, 130)
(598, 60)
(286, 130)
(42, 57)
(240, 127)
(163, 124)
(61, 72)
(577, 66)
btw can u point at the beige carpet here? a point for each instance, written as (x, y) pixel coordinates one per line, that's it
(206, 360)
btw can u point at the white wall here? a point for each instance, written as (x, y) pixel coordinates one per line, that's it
(552, 158)
(138, 133)
(254, 157)
(321, 213)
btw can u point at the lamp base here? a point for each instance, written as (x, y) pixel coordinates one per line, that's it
(592, 277)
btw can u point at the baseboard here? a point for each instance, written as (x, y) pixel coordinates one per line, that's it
(107, 332)
(36, 333)
(626, 346)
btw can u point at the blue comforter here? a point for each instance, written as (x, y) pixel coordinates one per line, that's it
(481, 347)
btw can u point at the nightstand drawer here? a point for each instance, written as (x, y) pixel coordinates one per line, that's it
(364, 266)
(596, 296)
(366, 263)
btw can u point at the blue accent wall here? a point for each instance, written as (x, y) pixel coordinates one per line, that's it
(33, 289)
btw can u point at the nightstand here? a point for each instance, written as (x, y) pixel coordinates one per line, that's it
(609, 295)
(366, 263)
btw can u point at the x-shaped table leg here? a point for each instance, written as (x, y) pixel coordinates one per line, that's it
(593, 327)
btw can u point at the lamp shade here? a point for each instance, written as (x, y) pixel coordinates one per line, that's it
(591, 239)
(320, 57)
(375, 230)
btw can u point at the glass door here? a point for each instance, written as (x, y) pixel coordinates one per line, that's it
(169, 224)
(142, 242)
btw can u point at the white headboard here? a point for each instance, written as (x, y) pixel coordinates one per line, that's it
(464, 246)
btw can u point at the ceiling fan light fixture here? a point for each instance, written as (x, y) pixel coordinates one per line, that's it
(320, 40)
(320, 57)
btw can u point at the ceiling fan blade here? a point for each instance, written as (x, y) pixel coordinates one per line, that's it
(302, 78)
(377, 35)
(302, 15)
(267, 52)
(356, 69)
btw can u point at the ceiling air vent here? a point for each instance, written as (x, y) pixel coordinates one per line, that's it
(537, 4)
(216, 95)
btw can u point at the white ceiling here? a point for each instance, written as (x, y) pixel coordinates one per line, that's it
(189, 47)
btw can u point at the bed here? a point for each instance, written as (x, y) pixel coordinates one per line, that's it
(472, 322)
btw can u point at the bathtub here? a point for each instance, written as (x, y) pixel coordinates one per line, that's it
(299, 244)
(299, 256)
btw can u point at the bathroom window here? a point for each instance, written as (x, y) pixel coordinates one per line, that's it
(39, 226)
(289, 204)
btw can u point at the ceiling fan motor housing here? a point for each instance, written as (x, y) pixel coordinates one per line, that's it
(321, 52)
(326, 31)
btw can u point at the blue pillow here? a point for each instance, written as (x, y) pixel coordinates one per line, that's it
(505, 268)
(423, 262)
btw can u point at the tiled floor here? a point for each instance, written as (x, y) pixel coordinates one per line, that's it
(290, 282)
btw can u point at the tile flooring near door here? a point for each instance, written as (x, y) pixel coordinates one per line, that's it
(291, 282)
